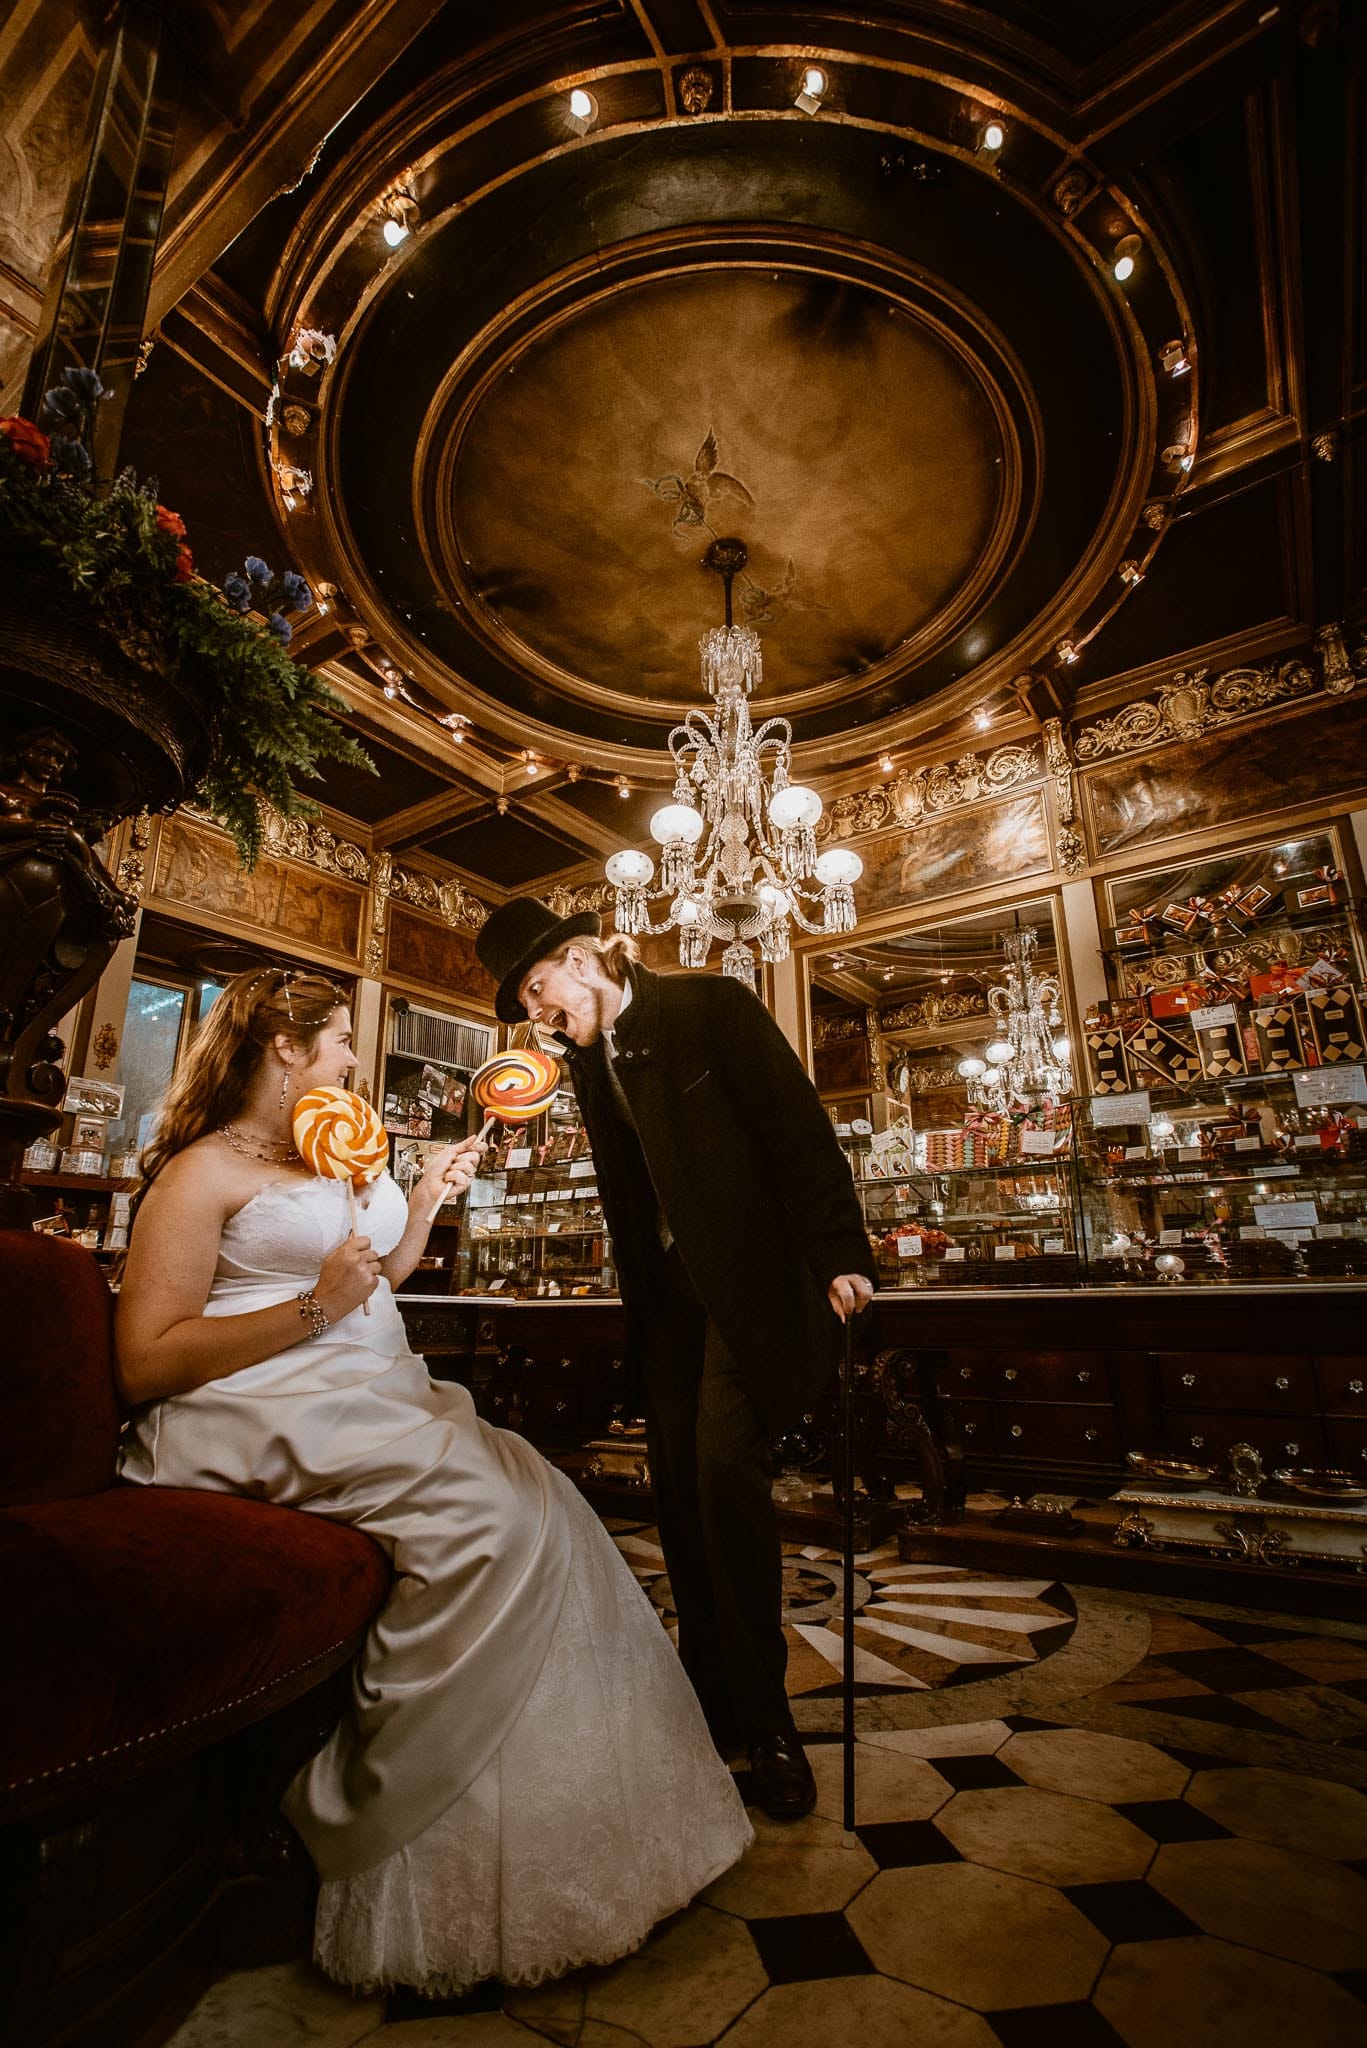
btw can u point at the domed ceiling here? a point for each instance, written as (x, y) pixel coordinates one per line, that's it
(993, 415)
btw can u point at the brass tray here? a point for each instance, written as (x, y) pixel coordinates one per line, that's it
(1172, 1471)
(1323, 1483)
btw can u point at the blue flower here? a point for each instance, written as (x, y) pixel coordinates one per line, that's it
(257, 569)
(295, 591)
(238, 591)
(60, 404)
(86, 385)
(70, 458)
(281, 627)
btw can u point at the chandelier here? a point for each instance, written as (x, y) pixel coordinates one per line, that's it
(1030, 1057)
(738, 840)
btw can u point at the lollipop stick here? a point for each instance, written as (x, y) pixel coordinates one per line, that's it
(442, 1197)
(355, 1225)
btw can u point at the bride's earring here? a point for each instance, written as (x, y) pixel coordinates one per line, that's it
(284, 1086)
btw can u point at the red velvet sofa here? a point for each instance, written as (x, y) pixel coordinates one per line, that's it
(169, 1658)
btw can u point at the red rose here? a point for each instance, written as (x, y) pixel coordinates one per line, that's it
(170, 522)
(185, 562)
(29, 443)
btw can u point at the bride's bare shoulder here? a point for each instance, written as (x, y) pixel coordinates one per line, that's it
(205, 1174)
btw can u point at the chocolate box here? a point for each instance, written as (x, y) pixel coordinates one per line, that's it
(1277, 1027)
(1106, 1058)
(1152, 1045)
(1336, 1028)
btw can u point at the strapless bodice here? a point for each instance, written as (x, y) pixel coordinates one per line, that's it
(288, 1228)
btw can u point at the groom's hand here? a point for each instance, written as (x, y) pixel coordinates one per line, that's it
(848, 1293)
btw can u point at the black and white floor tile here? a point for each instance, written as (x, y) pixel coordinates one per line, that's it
(1059, 1841)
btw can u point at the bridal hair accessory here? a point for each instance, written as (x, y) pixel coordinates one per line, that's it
(339, 1136)
(515, 1086)
(285, 975)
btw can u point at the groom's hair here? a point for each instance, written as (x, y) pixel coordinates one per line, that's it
(613, 954)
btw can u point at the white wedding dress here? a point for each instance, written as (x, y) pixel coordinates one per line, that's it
(524, 1781)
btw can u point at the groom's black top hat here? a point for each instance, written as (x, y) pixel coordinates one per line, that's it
(518, 934)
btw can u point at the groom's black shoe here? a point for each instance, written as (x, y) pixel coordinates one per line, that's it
(781, 1781)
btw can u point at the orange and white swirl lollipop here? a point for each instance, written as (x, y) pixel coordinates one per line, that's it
(340, 1136)
(515, 1086)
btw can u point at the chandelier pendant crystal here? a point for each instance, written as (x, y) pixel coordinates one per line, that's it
(738, 838)
(1029, 1059)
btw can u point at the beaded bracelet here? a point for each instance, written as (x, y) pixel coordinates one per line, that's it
(312, 1313)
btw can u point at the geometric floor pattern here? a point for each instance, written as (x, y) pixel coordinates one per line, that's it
(1083, 1818)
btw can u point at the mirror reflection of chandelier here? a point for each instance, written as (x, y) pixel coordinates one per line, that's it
(1029, 1058)
(738, 840)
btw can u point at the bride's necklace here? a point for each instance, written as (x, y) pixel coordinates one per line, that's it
(266, 1151)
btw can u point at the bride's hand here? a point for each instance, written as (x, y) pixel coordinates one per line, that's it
(348, 1277)
(448, 1172)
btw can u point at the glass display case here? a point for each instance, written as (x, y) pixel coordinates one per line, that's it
(532, 1224)
(1261, 1177)
(993, 1204)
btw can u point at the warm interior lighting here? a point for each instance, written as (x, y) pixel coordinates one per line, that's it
(885, 763)
(982, 719)
(993, 135)
(814, 83)
(583, 109)
(1126, 250)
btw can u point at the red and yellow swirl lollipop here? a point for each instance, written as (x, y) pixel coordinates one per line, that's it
(340, 1136)
(515, 1086)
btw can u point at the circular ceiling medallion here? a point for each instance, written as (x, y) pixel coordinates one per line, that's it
(855, 448)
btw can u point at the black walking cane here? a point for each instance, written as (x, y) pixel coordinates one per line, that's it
(847, 1538)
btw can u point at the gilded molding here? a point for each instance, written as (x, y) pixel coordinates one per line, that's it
(921, 792)
(309, 840)
(910, 1080)
(836, 1030)
(1190, 705)
(1340, 674)
(935, 1007)
(450, 901)
(588, 896)
(1069, 848)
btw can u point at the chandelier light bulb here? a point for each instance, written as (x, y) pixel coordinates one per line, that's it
(1000, 1051)
(684, 910)
(775, 900)
(629, 868)
(838, 867)
(971, 1067)
(794, 806)
(1062, 1046)
(676, 825)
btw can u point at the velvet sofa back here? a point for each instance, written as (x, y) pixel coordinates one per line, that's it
(61, 1413)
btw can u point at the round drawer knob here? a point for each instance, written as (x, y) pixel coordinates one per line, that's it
(1188, 1379)
(965, 1372)
(561, 1406)
(1281, 1383)
(1292, 1450)
(1355, 1386)
(565, 1364)
(1197, 1443)
(1089, 1436)
(1016, 1429)
(1083, 1377)
(1011, 1373)
(971, 1429)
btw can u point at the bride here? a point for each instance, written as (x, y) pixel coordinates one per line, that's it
(524, 1781)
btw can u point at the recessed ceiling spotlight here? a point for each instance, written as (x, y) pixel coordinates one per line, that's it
(623, 786)
(1131, 573)
(814, 83)
(533, 764)
(1126, 250)
(583, 110)
(885, 763)
(401, 216)
(887, 973)
(982, 719)
(992, 135)
(1066, 651)
(1174, 358)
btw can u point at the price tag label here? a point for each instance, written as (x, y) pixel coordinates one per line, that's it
(1170, 1237)
(521, 1157)
(1218, 1013)
(539, 1197)
(1037, 1144)
(1054, 1244)
(1004, 1251)
(1189, 1151)
(1329, 1230)
(1286, 1215)
(1331, 1084)
(1251, 1230)
(1248, 1144)
(1307, 1141)
(581, 1169)
(957, 1253)
(908, 1247)
(585, 1194)
(1136, 1151)
(1121, 1109)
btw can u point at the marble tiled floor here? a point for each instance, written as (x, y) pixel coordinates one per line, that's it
(1083, 1818)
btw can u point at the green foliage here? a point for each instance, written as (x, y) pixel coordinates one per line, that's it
(125, 557)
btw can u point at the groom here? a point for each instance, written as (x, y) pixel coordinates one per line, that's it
(738, 1242)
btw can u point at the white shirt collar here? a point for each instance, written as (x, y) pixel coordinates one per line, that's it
(610, 1030)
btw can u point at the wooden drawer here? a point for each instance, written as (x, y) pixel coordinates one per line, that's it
(966, 1375)
(978, 1425)
(1343, 1382)
(1238, 1379)
(1201, 1435)
(1055, 1429)
(1051, 1375)
(1348, 1443)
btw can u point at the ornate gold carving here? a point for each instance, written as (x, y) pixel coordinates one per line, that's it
(1254, 1540)
(1155, 515)
(140, 832)
(835, 1030)
(1190, 705)
(695, 89)
(1133, 1531)
(935, 1007)
(910, 1080)
(132, 874)
(104, 1046)
(450, 901)
(308, 839)
(295, 419)
(916, 792)
(878, 1073)
(588, 896)
(1070, 190)
(1325, 447)
(381, 876)
(1339, 677)
(1069, 849)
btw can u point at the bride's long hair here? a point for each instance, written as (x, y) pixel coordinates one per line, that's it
(229, 1047)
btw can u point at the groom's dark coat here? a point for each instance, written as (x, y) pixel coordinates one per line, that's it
(730, 1135)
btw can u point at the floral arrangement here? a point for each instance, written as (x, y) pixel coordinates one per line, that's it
(126, 557)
